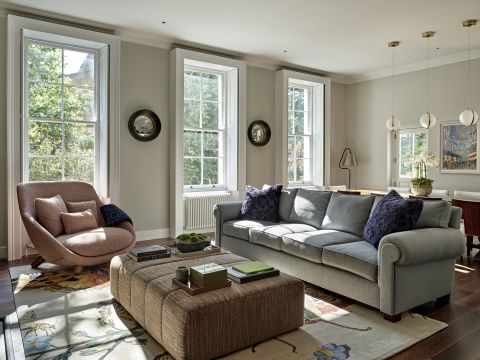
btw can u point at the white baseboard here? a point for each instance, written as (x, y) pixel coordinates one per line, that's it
(152, 234)
(3, 252)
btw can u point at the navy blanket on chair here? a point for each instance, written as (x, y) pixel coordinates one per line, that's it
(113, 215)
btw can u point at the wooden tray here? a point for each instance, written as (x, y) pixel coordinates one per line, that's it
(195, 290)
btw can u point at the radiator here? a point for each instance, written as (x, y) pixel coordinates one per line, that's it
(199, 209)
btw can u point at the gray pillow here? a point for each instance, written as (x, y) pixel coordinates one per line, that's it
(286, 203)
(348, 213)
(309, 207)
(435, 214)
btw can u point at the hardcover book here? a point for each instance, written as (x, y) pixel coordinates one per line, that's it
(241, 278)
(253, 267)
(148, 250)
(149, 257)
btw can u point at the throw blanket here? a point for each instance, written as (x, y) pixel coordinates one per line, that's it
(113, 215)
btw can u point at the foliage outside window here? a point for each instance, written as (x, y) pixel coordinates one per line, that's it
(299, 134)
(411, 143)
(60, 113)
(204, 129)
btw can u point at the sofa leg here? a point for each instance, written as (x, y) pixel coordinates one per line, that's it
(37, 262)
(393, 318)
(77, 269)
(444, 299)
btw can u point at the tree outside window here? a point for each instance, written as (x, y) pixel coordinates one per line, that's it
(411, 142)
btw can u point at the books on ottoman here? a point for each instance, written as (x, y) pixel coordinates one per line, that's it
(252, 268)
(241, 278)
(207, 274)
(146, 253)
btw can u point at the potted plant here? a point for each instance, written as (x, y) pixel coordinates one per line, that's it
(421, 184)
(189, 242)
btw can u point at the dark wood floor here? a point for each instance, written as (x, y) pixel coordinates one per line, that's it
(460, 341)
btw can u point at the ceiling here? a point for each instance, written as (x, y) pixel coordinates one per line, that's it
(342, 37)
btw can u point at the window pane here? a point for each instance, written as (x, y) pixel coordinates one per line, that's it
(44, 101)
(192, 143)
(79, 139)
(44, 63)
(300, 147)
(299, 99)
(80, 168)
(192, 85)
(290, 98)
(44, 138)
(191, 172)
(45, 169)
(406, 144)
(300, 170)
(291, 147)
(79, 104)
(192, 113)
(210, 171)
(79, 68)
(210, 115)
(291, 127)
(420, 143)
(210, 144)
(210, 87)
(291, 170)
(299, 122)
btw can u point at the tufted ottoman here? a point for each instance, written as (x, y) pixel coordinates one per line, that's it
(211, 324)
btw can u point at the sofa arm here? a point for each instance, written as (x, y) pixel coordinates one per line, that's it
(421, 246)
(224, 212)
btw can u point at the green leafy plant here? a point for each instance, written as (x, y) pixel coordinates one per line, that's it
(422, 182)
(191, 238)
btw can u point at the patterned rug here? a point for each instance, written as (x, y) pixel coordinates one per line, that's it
(68, 316)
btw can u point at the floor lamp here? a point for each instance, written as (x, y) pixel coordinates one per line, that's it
(346, 160)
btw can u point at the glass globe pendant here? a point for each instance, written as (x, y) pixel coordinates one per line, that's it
(428, 120)
(393, 123)
(469, 116)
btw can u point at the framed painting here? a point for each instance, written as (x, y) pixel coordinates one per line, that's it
(459, 148)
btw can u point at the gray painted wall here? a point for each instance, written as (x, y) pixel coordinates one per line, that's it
(369, 106)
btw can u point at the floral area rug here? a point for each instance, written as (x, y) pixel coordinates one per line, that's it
(67, 316)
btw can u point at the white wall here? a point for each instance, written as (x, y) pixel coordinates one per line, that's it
(369, 106)
(3, 136)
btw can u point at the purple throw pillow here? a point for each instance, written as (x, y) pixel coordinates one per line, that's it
(391, 215)
(262, 204)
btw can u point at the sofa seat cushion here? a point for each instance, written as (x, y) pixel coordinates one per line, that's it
(309, 245)
(271, 236)
(360, 258)
(239, 228)
(97, 242)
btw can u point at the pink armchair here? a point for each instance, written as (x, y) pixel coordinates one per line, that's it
(80, 249)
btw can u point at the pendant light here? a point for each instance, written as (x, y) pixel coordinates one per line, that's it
(469, 116)
(428, 120)
(393, 123)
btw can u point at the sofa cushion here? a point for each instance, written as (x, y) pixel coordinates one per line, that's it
(435, 214)
(309, 245)
(79, 221)
(360, 258)
(262, 204)
(97, 242)
(286, 203)
(309, 207)
(239, 228)
(80, 206)
(48, 214)
(347, 213)
(271, 236)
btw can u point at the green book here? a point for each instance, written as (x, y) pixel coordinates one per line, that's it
(254, 267)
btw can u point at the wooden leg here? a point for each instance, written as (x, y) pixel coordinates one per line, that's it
(393, 318)
(469, 244)
(37, 262)
(77, 269)
(444, 299)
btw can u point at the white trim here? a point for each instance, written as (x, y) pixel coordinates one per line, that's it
(16, 238)
(154, 234)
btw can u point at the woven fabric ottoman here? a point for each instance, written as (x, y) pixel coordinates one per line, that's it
(211, 324)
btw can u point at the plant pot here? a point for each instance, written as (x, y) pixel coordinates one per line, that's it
(186, 247)
(421, 190)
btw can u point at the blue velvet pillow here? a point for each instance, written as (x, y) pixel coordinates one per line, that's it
(392, 214)
(113, 215)
(262, 204)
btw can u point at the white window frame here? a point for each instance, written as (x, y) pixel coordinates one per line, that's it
(235, 121)
(321, 98)
(109, 51)
(222, 129)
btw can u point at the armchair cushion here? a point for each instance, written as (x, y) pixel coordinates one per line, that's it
(80, 206)
(97, 242)
(79, 221)
(48, 213)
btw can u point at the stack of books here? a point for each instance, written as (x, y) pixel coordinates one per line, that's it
(251, 271)
(152, 252)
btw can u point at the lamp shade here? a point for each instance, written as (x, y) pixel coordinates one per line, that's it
(349, 159)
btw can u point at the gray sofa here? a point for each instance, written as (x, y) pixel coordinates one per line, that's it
(320, 240)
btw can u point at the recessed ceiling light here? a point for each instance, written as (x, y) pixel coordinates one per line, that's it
(164, 22)
(284, 51)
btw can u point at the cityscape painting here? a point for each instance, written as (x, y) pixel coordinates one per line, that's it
(459, 147)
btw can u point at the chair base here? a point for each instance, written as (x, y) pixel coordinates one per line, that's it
(393, 318)
(37, 262)
(77, 269)
(444, 299)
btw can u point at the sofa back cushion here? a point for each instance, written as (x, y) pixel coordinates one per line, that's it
(435, 214)
(309, 207)
(286, 203)
(348, 213)
(48, 213)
